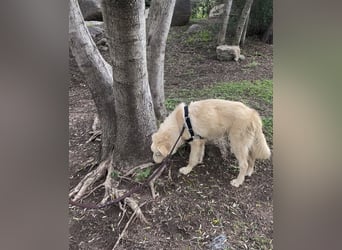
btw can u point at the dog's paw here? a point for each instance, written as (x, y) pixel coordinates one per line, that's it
(250, 172)
(235, 183)
(185, 170)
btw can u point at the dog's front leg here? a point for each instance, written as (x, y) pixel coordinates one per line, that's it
(196, 156)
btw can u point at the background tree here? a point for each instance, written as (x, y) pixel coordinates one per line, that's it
(225, 19)
(244, 33)
(158, 26)
(268, 34)
(121, 92)
(242, 22)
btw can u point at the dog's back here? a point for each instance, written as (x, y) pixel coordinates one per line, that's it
(212, 118)
(215, 118)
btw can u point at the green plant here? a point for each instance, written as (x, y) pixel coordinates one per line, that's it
(142, 174)
(201, 9)
(115, 174)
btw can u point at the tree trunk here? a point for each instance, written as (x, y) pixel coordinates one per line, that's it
(244, 33)
(134, 113)
(158, 26)
(98, 74)
(225, 18)
(242, 22)
(268, 33)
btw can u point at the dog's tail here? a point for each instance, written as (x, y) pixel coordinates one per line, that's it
(259, 148)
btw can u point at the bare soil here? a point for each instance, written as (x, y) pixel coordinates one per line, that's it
(190, 210)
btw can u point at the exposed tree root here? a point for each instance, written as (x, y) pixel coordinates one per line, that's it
(81, 189)
(110, 185)
(151, 184)
(142, 166)
(95, 134)
(135, 213)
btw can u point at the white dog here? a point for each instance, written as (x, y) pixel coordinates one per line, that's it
(209, 120)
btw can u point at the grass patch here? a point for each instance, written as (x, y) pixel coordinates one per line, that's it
(202, 36)
(260, 91)
(267, 124)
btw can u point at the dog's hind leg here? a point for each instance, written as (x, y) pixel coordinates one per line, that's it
(251, 163)
(196, 156)
(240, 148)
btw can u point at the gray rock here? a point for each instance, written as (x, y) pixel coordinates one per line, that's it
(216, 11)
(228, 53)
(95, 28)
(219, 243)
(91, 9)
(181, 13)
(194, 28)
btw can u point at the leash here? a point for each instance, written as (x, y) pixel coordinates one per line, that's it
(134, 189)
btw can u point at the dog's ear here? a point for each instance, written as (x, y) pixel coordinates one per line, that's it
(163, 150)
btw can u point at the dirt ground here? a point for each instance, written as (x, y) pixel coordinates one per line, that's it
(191, 210)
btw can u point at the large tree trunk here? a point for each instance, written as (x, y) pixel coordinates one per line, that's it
(225, 19)
(98, 74)
(158, 26)
(242, 22)
(134, 113)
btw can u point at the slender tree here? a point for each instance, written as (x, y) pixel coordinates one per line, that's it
(158, 26)
(225, 19)
(244, 33)
(242, 22)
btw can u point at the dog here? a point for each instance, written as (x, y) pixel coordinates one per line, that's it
(213, 119)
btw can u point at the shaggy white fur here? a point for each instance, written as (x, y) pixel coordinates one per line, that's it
(214, 119)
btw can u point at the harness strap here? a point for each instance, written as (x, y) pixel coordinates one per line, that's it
(188, 124)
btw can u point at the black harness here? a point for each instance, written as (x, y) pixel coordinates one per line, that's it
(189, 126)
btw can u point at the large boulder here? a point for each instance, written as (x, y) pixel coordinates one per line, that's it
(181, 13)
(91, 10)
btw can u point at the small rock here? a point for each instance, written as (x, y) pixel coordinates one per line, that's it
(104, 48)
(219, 243)
(194, 28)
(102, 41)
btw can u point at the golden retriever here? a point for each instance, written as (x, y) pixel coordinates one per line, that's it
(214, 119)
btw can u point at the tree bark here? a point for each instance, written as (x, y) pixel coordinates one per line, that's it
(134, 113)
(268, 33)
(98, 74)
(244, 33)
(242, 22)
(225, 19)
(158, 26)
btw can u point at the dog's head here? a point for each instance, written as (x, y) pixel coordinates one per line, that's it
(160, 146)
(164, 139)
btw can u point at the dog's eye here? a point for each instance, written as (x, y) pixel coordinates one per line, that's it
(158, 154)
